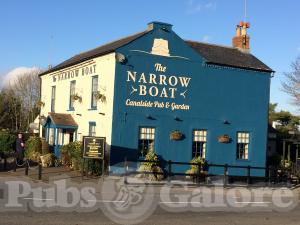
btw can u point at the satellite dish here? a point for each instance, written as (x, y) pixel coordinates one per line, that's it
(120, 58)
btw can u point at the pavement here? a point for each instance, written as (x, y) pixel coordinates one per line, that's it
(54, 201)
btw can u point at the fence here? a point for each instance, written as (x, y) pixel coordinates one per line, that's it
(26, 163)
(271, 173)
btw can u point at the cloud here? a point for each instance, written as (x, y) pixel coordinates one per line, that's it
(206, 38)
(196, 6)
(11, 76)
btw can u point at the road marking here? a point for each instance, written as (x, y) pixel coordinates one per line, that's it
(252, 202)
(39, 199)
(180, 202)
(95, 200)
(49, 199)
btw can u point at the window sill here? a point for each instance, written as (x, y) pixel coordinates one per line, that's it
(92, 109)
(70, 110)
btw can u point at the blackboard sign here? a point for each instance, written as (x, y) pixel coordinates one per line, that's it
(93, 147)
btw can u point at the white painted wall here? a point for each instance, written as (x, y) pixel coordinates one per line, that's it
(105, 69)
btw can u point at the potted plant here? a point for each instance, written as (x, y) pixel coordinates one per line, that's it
(40, 104)
(176, 135)
(100, 96)
(76, 97)
(224, 138)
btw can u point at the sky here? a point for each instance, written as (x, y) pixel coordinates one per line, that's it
(37, 33)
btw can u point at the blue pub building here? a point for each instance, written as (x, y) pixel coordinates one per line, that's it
(183, 99)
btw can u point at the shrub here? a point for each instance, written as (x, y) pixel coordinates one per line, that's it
(33, 148)
(7, 142)
(48, 160)
(71, 155)
(194, 168)
(150, 167)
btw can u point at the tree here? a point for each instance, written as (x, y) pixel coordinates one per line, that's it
(288, 122)
(18, 101)
(291, 85)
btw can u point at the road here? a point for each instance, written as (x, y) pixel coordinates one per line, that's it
(62, 201)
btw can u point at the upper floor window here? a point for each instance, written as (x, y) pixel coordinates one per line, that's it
(94, 92)
(72, 94)
(53, 96)
(242, 147)
(146, 140)
(199, 143)
(92, 129)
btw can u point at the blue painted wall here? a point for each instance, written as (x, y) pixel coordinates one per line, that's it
(214, 94)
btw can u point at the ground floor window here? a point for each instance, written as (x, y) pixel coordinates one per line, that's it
(242, 148)
(146, 140)
(199, 143)
(92, 129)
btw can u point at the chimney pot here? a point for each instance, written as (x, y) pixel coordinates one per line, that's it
(241, 39)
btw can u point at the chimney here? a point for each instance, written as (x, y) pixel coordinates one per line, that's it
(241, 39)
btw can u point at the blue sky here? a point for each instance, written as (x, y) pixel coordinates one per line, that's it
(37, 33)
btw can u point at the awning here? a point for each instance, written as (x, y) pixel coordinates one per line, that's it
(61, 120)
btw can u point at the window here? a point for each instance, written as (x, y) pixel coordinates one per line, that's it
(92, 129)
(242, 145)
(94, 92)
(72, 93)
(53, 94)
(146, 140)
(199, 143)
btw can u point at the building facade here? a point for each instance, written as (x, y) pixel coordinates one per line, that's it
(141, 91)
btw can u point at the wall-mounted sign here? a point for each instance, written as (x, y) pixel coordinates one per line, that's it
(76, 72)
(159, 85)
(93, 147)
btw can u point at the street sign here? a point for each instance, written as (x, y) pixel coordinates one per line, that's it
(93, 147)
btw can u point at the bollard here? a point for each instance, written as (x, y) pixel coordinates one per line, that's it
(15, 166)
(40, 171)
(198, 173)
(225, 174)
(269, 175)
(126, 170)
(248, 175)
(26, 168)
(169, 170)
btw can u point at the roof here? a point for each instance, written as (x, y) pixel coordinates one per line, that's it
(228, 56)
(213, 54)
(63, 119)
(99, 51)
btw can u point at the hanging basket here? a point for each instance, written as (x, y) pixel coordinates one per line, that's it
(176, 135)
(224, 138)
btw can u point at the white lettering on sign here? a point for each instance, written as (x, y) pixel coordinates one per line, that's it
(156, 104)
(70, 74)
(158, 85)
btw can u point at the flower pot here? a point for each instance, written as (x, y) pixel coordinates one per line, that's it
(176, 136)
(224, 139)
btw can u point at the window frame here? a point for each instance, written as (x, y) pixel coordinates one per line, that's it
(242, 153)
(72, 101)
(53, 98)
(142, 154)
(203, 144)
(93, 99)
(92, 124)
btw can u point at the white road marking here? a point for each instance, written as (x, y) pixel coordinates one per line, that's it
(49, 199)
(252, 202)
(94, 200)
(39, 199)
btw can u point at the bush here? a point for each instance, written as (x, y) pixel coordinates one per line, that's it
(150, 167)
(33, 148)
(71, 155)
(7, 142)
(194, 168)
(48, 160)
